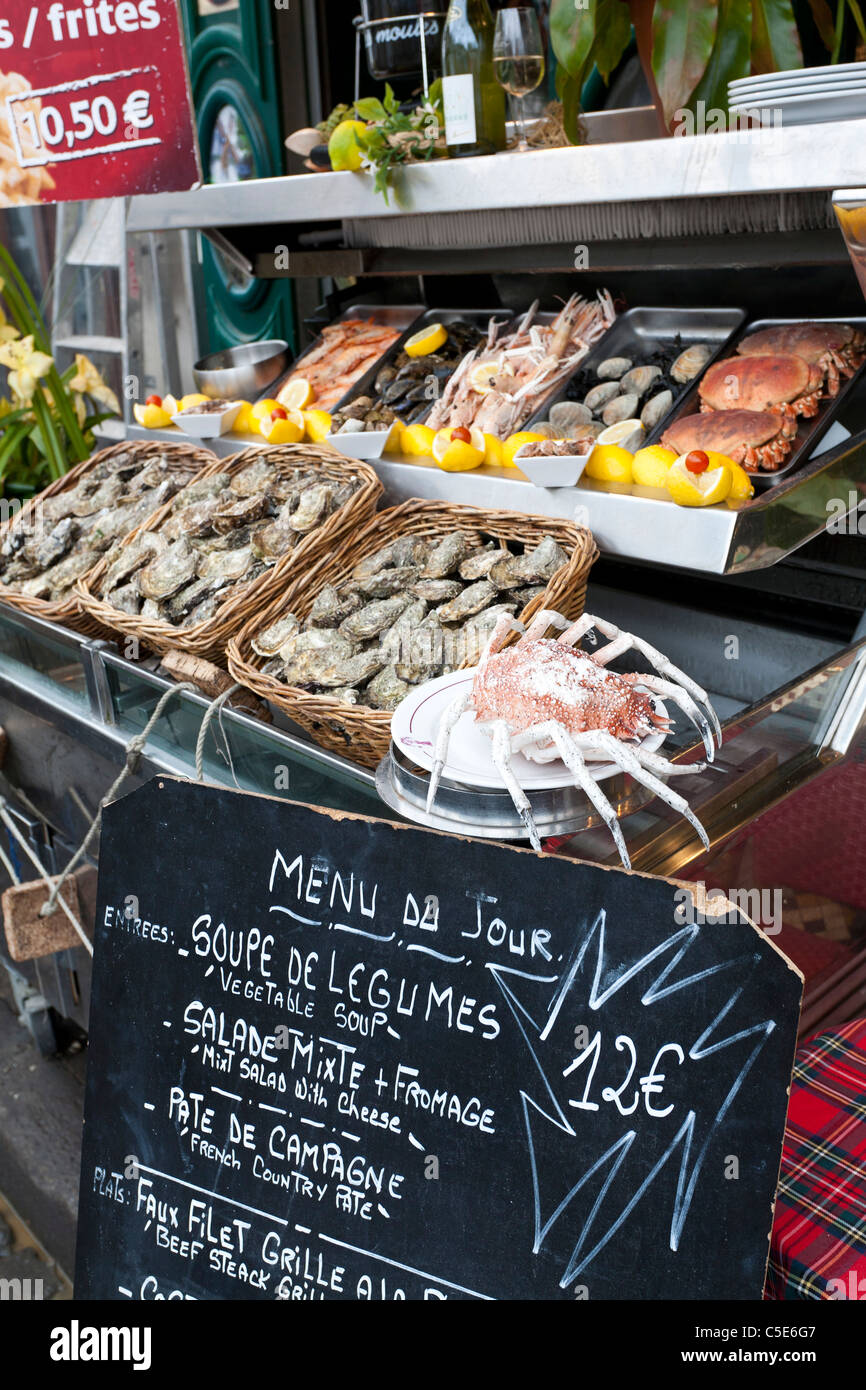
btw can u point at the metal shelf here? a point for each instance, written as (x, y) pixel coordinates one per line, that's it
(783, 160)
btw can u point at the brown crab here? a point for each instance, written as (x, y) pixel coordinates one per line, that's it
(784, 383)
(836, 348)
(754, 438)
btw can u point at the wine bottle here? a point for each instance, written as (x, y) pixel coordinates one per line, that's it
(474, 101)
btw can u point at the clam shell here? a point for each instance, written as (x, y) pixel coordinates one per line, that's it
(656, 409)
(566, 415)
(599, 396)
(613, 368)
(640, 379)
(690, 362)
(622, 408)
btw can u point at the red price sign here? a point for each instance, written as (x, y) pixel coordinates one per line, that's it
(110, 113)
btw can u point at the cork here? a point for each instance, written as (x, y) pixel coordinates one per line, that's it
(29, 936)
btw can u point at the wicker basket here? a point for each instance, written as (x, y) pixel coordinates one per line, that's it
(69, 612)
(355, 731)
(208, 639)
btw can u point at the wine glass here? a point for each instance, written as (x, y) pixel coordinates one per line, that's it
(518, 58)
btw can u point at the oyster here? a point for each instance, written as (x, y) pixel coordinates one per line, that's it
(374, 617)
(121, 463)
(690, 362)
(55, 544)
(569, 415)
(204, 611)
(422, 655)
(188, 598)
(226, 566)
(640, 379)
(231, 514)
(105, 495)
(621, 408)
(346, 694)
(125, 598)
(545, 559)
(526, 596)
(613, 368)
(272, 639)
(599, 396)
(478, 564)
(171, 569)
(405, 550)
(63, 575)
(330, 608)
(274, 540)
(386, 690)
(195, 520)
(215, 486)
(388, 582)
(315, 506)
(656, 409)
(394, 642)
(437, 590)
(445, 557)
(471, 601)
(252, 479)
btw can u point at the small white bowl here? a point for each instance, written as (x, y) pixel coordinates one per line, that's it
(211, 425)
(365, 444)
(555, 470)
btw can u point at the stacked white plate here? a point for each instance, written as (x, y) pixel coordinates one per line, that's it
(802, 96)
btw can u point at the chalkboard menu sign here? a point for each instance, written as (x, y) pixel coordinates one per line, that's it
(333, 1058)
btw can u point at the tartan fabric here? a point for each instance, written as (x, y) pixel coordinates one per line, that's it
(818, 1245)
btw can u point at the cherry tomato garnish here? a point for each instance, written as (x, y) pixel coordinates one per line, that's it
(279, 413)
(697, 461)
(154, 400)
(462, 434)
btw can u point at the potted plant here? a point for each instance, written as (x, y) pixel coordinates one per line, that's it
(47, 421)
(689, 49)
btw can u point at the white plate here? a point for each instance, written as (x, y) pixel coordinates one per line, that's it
(556, 470)
(830, 72)
(209, 426)
(768, 95)
(811, 110)
(370, 444)
(415, 723)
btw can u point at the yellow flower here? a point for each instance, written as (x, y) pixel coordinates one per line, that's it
(88, 382)
(26, 366)
(8, 333)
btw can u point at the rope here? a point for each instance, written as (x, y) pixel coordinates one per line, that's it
(134, 750)
(9, 822)
(215, 707)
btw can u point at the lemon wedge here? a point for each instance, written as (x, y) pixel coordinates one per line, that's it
(458, 455)
(484, 375)
(343, 147)
(151, 417)
(517, 441)
(243, 420)
(317, 424)
(698, 489)
(742, 487)
(621, 431)
(428, 339)
(608, 463)
(493, 451)
(194, 399)
(650, 465)
(297, 394)
(417, 441)
(261, 411)
(277, 430)
(170, 405)
(394, 444)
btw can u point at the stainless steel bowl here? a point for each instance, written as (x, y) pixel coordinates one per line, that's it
(241, 373)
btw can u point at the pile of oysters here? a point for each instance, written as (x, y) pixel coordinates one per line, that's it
(223, 531)
(619, 388)
(416, 609)
(45, 552)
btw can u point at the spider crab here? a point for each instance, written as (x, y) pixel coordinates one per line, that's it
(754, 438)
(542, 698)
(833, 348)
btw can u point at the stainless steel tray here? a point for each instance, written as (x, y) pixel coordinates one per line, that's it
(397, 316)
(490, 814)
(478, 317)
(809, 433)
(641, 331)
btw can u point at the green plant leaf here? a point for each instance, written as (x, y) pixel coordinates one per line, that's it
(569, 91)
(370, 109)
(684, 32)
(391, 102)
(731, 56)
(858, 18)
(613, 33)
(775, 40)
(572, 33)
(823, 17)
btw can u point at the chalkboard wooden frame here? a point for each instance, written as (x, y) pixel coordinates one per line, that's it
(334, 1057)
